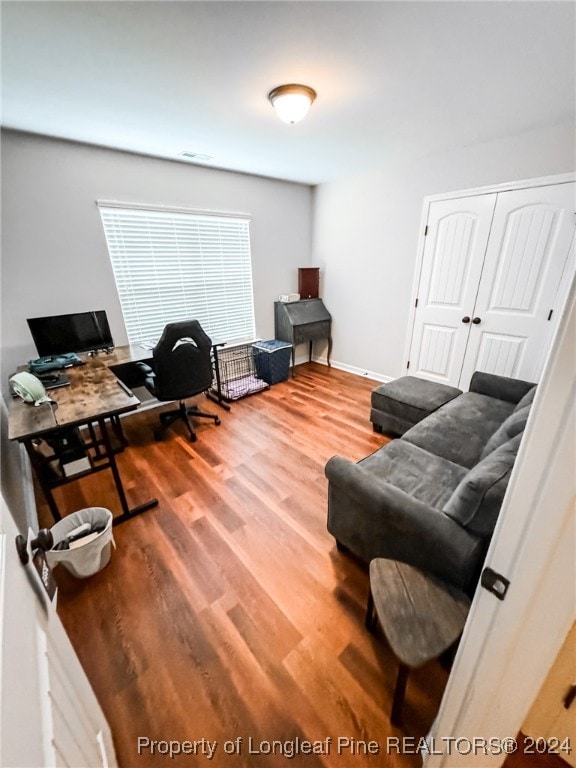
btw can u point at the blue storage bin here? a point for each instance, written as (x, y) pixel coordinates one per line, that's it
(273, 361)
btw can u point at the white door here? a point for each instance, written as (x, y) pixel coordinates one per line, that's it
(509, 645)
(49, 715)
(454, 250)
(527, 251)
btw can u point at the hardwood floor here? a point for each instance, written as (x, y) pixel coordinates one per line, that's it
(227, 612)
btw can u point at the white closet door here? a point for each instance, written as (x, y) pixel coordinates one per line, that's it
(454, 251)
(529, 244)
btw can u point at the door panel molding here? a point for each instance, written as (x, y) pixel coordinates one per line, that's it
(455, 248)
(508, 288)
(532, 231)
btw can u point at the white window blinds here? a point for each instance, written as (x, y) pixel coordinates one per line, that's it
(172, 266)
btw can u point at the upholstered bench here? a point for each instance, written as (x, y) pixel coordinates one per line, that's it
(400, 404)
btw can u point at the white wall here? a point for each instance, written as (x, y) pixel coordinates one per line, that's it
(54, 256)
(366, 229)
(366, 233)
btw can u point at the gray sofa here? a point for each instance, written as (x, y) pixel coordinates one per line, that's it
(431, 498)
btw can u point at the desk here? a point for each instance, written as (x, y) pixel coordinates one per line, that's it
(301, 321)
(121, 362)
(95, 396)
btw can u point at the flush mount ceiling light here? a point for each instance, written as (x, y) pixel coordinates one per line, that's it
(292, 102)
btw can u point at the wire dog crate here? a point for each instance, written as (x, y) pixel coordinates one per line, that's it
(235, 372)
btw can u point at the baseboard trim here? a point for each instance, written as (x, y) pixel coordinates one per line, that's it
(351, 369)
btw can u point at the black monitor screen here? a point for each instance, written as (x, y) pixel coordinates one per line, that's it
(79, 332)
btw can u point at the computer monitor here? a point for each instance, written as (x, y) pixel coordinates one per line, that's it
(77, 332)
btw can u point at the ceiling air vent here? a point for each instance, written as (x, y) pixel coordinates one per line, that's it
(197, 157)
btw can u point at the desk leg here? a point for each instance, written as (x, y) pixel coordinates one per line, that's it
(46, 490)
(127, 513)
(310, 351)
(370, 620)
(329, 350)
(118, 431)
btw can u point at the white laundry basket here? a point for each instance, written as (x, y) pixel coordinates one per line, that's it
(85, 559)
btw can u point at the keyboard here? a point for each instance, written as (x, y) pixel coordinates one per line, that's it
(54, 379)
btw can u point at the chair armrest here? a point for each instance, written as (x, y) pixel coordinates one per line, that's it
(149, 377)
(499, 387)
(145, 369)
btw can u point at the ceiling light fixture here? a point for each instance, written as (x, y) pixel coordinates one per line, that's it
(292, 102)
(197, 156)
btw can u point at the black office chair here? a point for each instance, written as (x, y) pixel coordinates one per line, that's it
(181, 368)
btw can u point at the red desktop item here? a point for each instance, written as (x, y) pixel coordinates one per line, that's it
(309, 282)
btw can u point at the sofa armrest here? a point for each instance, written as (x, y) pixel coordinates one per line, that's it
(370, 491)
(375, 519)
(499, 387)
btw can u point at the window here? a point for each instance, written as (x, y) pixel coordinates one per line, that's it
(179, 265)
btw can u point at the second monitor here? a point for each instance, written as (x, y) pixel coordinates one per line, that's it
(77, 332)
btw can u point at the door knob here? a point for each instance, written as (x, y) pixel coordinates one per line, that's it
(477, 321)
(466, 319)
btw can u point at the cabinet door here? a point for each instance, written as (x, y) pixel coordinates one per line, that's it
(454, 251)
(549, 717)
(529, 244)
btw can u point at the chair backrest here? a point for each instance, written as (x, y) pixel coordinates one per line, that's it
(182, 361)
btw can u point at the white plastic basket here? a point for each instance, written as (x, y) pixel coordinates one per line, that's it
(85, 559)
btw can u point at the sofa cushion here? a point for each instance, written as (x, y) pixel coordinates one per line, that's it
(425, 477)
(466, 503)
(509, 428)
(459, 430)
(526, 400)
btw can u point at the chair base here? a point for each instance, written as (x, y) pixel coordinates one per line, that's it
(184, 412)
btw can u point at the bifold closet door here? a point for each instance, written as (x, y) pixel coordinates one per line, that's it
(454, 250)
(530, 241)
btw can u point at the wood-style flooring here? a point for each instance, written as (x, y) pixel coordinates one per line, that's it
(227, 614)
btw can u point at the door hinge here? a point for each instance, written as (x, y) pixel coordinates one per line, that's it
(425, 230)
(495, 583)
(416, 303)
(550, 314)
(408, 365)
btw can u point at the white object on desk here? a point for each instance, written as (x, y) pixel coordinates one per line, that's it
(287, 297)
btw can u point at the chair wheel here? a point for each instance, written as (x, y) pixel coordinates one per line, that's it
(217, 422)
(193, 438)
(157, 436)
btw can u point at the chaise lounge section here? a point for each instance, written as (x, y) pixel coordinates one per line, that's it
(431, 498)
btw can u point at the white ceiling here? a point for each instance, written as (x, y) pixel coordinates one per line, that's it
(395, 80)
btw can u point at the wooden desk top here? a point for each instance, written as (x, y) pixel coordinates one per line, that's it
(94, 392)
(131, 353)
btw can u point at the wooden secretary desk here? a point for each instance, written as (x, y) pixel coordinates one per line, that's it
(301, 321)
